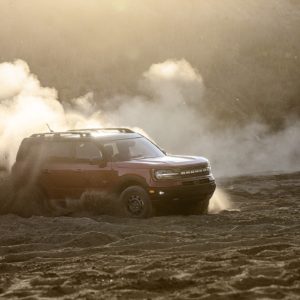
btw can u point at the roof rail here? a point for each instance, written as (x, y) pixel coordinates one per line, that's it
(61, 134)
(120, 129)
(81, 132)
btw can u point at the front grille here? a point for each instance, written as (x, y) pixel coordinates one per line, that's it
(198, 171)
(195, 182)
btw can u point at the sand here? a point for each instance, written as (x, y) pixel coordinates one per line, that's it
(250, 252)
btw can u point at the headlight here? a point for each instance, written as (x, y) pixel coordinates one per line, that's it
(208, 165)
(166, 174)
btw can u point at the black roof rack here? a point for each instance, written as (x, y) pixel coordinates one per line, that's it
(61, 134)
(119, 129)
(80, 132)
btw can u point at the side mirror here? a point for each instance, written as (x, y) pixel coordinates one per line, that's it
(98, 161)
(164, 151)
(102, 163)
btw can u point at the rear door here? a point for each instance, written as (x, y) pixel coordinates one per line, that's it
(60, 176)
(73, 167)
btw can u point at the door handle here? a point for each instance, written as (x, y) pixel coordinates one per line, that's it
(46, 171)
(78, 170)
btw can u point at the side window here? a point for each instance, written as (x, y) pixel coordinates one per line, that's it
(31, 152)
(58, 150)
(40, 151)
(110, 150)
(87, 150)
(138, 149)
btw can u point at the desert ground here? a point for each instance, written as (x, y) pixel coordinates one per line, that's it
(250, 251)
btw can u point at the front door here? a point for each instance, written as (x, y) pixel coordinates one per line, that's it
(90, 163)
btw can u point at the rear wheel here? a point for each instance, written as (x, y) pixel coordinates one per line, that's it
(58, 207)
(30, 200)
(135, 202)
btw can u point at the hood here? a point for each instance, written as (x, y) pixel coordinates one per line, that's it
(167, 161)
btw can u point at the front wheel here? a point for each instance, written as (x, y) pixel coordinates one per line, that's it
(135, 202)
(200, 208)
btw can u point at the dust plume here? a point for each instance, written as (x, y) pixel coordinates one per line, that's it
(167, 112)
(26, 107)
(219, 201)
(247, 51)
(165, 108)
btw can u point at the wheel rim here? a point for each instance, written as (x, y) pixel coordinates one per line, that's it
(135, 204)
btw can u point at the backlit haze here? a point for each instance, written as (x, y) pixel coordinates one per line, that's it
(199, 77)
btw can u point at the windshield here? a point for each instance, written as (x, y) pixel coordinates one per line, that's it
(129, 149)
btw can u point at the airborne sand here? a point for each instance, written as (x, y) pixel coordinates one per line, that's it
(251, 252)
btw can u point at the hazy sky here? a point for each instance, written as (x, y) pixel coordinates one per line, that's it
(209, 77)
(246, 51)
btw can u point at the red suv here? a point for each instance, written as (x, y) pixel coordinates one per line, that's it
(141, 177)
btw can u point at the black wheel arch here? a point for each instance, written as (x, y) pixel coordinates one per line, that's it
(131, 180)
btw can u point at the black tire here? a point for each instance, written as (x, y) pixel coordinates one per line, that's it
(201, 208)
(134, 202)
(58, 207)
(6, 195)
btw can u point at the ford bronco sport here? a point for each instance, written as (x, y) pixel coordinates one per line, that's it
(115, 161)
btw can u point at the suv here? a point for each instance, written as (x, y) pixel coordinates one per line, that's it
(118, 162)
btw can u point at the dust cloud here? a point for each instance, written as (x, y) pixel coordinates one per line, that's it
(214, 79)
(167, 113)
(164, 108)
(26, 107)
(220, 201)
(247, 51)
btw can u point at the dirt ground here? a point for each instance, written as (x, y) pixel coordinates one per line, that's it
(250, 252)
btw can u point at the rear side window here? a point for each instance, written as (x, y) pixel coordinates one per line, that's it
(87, 151)
(31, 150)
(42, 150)
(59, 150)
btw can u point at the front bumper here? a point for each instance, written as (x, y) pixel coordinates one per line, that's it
(188, 192)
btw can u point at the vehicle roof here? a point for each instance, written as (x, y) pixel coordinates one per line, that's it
(103, 134)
